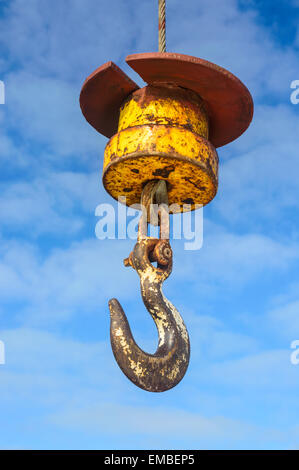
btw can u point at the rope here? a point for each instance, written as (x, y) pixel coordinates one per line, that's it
(162, 26)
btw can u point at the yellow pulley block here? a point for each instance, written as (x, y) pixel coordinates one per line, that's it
(167, 130)
(162, 134)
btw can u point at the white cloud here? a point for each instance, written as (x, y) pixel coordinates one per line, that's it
(158, 428)
(221, 33)
(54, 370)
(67, 39)
(150, 421)
(264, 371)
(46, 110)
(285, 320)
(68, 379)
(231, 260)
(52, 203)
(261, 181)
(66, 282)
(211, 340)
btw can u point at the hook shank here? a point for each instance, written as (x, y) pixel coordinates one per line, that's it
(165, 368)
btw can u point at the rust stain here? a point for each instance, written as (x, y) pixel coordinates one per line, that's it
(162, 134)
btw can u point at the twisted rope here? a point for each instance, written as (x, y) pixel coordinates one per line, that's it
(162, 26)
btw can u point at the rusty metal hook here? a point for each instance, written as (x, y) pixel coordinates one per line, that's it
(165, 368)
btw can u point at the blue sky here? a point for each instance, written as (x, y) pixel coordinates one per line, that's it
(60, 386)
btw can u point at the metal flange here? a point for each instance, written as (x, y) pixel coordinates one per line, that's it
(228, 101)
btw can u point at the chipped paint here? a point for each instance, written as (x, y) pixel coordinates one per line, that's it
(162, 134)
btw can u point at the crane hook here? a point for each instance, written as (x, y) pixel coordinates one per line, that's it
(163, 370)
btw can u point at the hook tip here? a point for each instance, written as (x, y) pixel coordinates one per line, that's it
(115, 308)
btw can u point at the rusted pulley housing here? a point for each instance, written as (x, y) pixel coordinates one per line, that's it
(162, 134)
(170, 128)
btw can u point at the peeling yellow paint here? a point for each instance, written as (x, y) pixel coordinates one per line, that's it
(146, 107)
(162, 138)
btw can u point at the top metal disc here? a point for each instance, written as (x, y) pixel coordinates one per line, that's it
(228, 101)
(102, 95)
